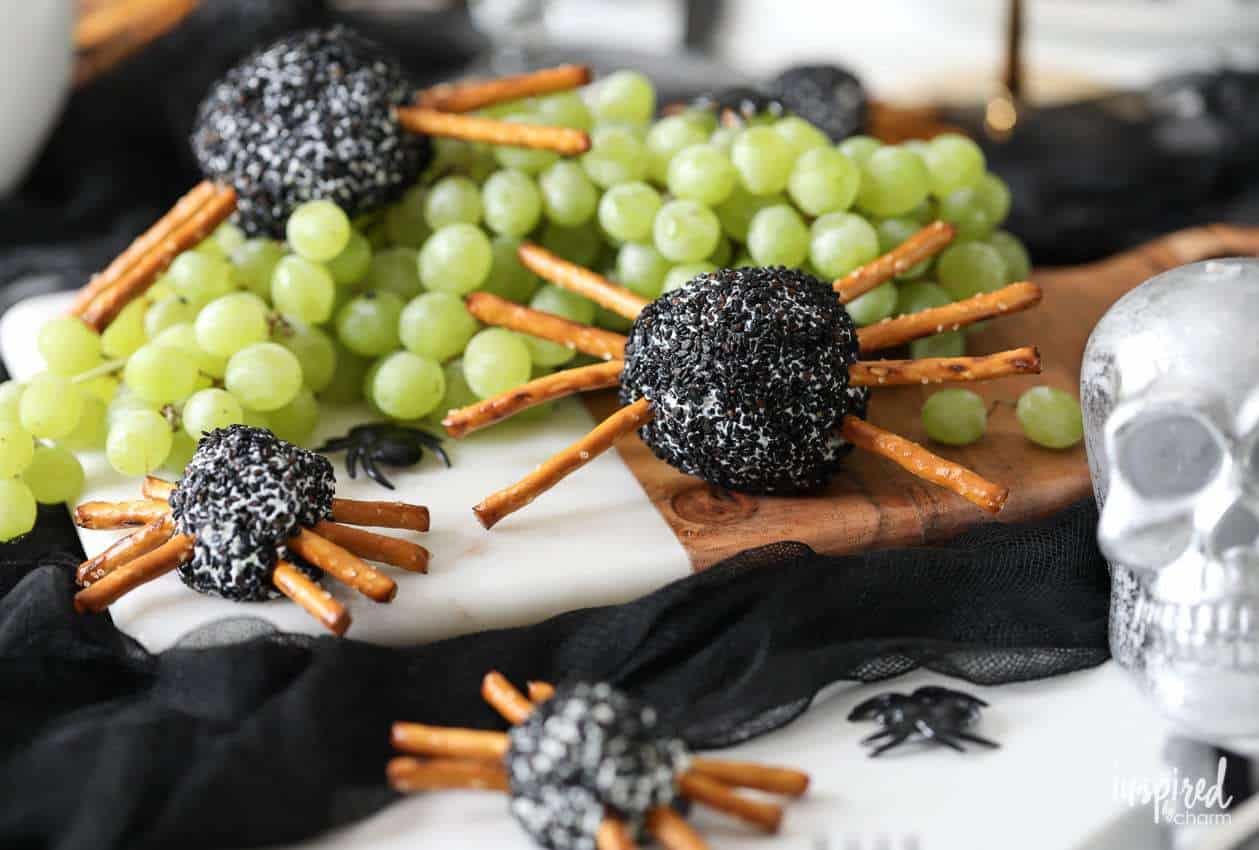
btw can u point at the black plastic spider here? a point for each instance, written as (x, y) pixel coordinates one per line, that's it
(383, 443)
(827, 96)
(929, 713)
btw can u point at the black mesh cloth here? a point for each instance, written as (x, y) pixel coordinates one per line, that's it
(278, 737)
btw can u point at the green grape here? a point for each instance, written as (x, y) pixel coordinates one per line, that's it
(353, 263)
(160, 373)
(559, 302)
(125, 402)
(54, 476)
(296, 421)
(452, 200)
(229, 237)
(314, 350)
(254, 262)
(436, 325)
(668, 137)
(89, 433)
(458, 394)
(395, 270)
(528, 160)
(994, 196)
(778, 237)
(840, 243)
(17, 509)
(680, 276)
(126, 332)
(182, 448)
(68, 346)
(920, 295)
(10, 400)
(823, 180)
(894, 231)
(346, 385)
(800, 134)
(230, 323)
(947, 344)
(404, 221)
(255, 419)
(568, 196)
(495, 361)
(407, 386)
(17, 447)
(171, 310)
(1018, 265)
(508, 277)
(962, 209)
(50, 406)
(625, 96)
(627, 211)
(737, 211)
(455, 259)
(564, 109)
(138, 442)
(764, 160)
(303, 289)
(953, 162)
(264, 376)
(199, 278)
(955, 417)
(893, 181)
(183, 338)
(318, 230)
(368, 324)
(616, 156)
(641, 268)
(859, 148)
(686, 231)
(702, 173)
(207, 410)
(873, 306)
(723, 138)
(923, 214)
(720, 257)
(578, 245)
(1050, 418)
(743, 261)
(210, 248)
(512, 201)
(970, 268)
(608, 320)
(102, 387)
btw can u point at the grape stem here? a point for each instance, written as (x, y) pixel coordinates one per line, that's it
(108, 368)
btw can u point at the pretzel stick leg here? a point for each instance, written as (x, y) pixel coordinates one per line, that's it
(504, 698)
(940, 370)
(404, 554)
(673, 833)
(625, 421)
(540, 692)
(317, 602)
(614, 835)
(468, 95)
(131, 575)
(596, 342)
(762, 777)
(406, 773)
(430, 122)
(380, 514)
(924, 244)
(465, 420)
(582, 281)
(157, 489)
(127, 549)
(929, 467)
(902, 329)
(108, 515)
(343, 566)
(446, 742)
(717, 795)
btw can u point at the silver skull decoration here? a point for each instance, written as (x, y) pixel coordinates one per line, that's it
(1170, 390)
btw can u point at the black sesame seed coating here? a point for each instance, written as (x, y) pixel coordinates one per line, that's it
(243, 494)
(309, 117)
(747, 372)
(587, 751)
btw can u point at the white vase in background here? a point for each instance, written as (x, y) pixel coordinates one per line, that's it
(36, 62)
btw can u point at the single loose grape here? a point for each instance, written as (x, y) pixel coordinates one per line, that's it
(455, 259)
(89, 433)
(346, 385)
(368, 324)
(823, 180)
(313, 348)
(10, 399)
(616, 156)
(436, 325)
(641, 268)
(160, 374)
(495, 361)
(199, 278)
(778, 236)
(17, 447)
(564, 109)
(395, 270)
(1050, 417)
(206, 410)
(624, 96)
(295, 422)
(702, 173)
(892, 233)
(736, 212)
(953, 162)
(1018, 265)
(303, 289)
(512, 202)
(840, 243)
(528, 160)
(666, 138)
(254, 262)
(686, 231)
(859, 148)
(55, 476)
(17, 509)
(264, 376)
(404, 221)
(800, 134)
(568, 196)
(970, 268)
(627, 211)
(139, 442)
(580, 245)
(318, 230)
(680, 276)
(171, 310)
(68, 346)
(126, 332)
(764, 160)
(955, 417)
(353, 263)
(508, 277)
(893, 181)
(407, 386)
(230, 323)
(873, 306)
(452, 200)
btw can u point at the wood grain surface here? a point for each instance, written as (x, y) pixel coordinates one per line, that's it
(873, 504)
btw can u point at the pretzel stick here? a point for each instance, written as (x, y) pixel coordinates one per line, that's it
(924, 244)
(96, 60)
(127, 549)
(762, 777)
(504, 698)
(430, 122)
(465, 420)
(103, 593)
(540, 692)
(593, 341)
(625, 421)
(448, 742)
(136, 280)
(380, 514)
(710, 792)
(467, 95)
(343, 566)
(177, 216)
(582, 281)
(411, 774)
(892, 332)
(613, 835)
(939, 370)
(157, 488)
(107, 515)
(318, 602)
(673, 833)
(404, 554)
(912, 457)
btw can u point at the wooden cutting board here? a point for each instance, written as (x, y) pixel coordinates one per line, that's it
(872, 503)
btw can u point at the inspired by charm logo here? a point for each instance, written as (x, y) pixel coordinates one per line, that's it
(1178, 799)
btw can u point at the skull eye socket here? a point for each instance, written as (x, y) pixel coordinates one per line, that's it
(1169, 456)
(1237, 529)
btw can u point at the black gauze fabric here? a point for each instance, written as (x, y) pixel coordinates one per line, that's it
(278, 737)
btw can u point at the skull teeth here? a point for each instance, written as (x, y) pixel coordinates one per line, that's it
(1215, 633)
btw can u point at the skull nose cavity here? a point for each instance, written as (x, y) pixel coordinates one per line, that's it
(1238, 529)
(1169, 457)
